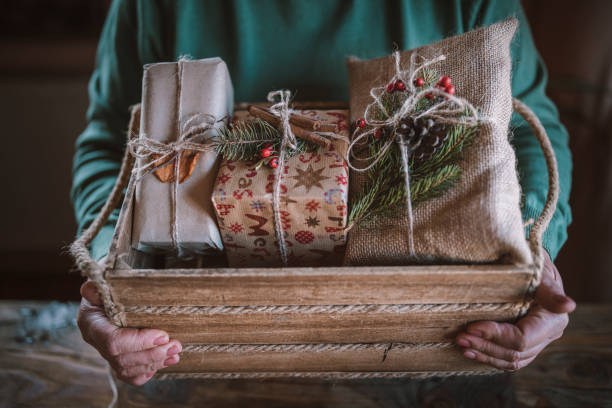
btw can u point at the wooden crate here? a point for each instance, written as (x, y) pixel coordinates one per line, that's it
(342, 322)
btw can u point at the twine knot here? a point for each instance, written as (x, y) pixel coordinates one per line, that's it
(195, 135)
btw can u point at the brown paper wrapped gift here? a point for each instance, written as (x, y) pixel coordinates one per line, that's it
(313, 204)
(173, 93)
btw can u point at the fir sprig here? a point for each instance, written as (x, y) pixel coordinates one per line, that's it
(244, 140)
(385, 191)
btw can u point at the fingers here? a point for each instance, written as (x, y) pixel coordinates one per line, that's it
(110, 340)
(505, 335)
(128, 340)
(138, 370)
(143, 362)
(538, 326)
(508, 346)
(89, 292)
(134, 354)
(495, 351)
(496, 362)
(512, 346)
(550, 293)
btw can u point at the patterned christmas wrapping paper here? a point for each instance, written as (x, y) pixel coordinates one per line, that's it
(313, 205)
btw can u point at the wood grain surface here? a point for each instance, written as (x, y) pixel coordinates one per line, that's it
(367, 359)
(317, 286)
(269, 328)
(574, 371)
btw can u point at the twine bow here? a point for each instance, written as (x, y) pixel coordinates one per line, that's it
(449, 109)
(194, 135)
(283, 111)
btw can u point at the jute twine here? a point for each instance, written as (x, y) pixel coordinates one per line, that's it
(321, 309)
(312, 347)
(325, 375)
(280, 108)
(541, 223)
(96, 272)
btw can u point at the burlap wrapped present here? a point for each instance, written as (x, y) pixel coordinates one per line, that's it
(175, 98)
(313, 204)
(479, 219)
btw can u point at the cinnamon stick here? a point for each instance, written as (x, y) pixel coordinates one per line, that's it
(311, 137)
(316, 125)
(298, 131)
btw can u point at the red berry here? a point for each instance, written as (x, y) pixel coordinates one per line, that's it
(390, 87)
(400, 86)
(444, 81)
(378, 133)
(265, 152)
(361, 123)
(419, 82)
(450, 89)
(429, 96)
(273, 163)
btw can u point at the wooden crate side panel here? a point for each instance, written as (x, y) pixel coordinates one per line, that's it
(286, 328)
(448, 359)
(340, 286)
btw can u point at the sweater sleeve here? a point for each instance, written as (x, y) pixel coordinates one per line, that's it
(113, 87)
(529, 79)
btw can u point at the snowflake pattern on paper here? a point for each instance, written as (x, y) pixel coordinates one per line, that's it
(312, 222)
(312, 205)
(236, 228)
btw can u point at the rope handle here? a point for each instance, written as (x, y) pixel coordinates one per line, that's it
(79, 249)
(541, 223)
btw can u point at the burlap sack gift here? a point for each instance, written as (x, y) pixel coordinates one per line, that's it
(478, 219)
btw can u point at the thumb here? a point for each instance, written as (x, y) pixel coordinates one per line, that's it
(550, 294)
(90, 293)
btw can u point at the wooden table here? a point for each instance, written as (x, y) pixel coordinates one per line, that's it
(63, 371)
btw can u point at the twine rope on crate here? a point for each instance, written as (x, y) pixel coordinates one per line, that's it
(450, 110)
(312, 347)
(79, 249)
(322, 309)
(95, 271)
(331, 375)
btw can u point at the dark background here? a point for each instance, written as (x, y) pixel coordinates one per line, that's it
(47, 50)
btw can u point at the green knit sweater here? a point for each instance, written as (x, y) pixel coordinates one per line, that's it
(299, 45)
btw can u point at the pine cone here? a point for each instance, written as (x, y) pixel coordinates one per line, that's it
(423, 136)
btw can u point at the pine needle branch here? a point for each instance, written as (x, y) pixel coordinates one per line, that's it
(244, 140)
(385, 191)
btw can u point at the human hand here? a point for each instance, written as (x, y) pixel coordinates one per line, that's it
(134, 354)
(510, 346)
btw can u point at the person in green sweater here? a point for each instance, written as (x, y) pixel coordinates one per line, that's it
(302, 45)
